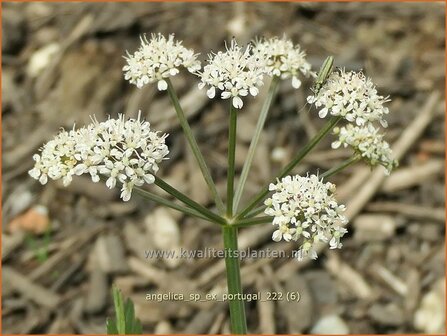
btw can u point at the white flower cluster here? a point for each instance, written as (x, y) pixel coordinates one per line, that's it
(305, 210)
(157, 59)
(235, 72)
(352, 96)
(283, 59)
(368, 142)
(121, 150)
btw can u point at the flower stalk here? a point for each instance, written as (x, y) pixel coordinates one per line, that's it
(253, 221)
(254, 142)
(193, 204)
(194, 146)
(231, 158)
(341, 166)
(162, 201)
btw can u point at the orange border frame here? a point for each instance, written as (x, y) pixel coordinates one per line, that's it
(279, 1)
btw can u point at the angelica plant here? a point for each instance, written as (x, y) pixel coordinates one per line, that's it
(126, 153)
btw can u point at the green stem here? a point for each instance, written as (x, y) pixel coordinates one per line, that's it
(253, 221)
(231, 159)
(160, 200)
(192, 204)
(255, 211)
(326, 174)
(251, 150)
(341, 166)
(237, 306)
(297, 159)
(194, 147)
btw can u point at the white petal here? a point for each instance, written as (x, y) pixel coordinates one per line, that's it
(211, 93)
(277, 236)
(254, 91)
(111, 182)
(323, 112)
(296, 83)
(34, 173)
(67, 180)
(43, 179)
(162, 85)
(225, 95)
(237, 102)
(80, 169)
(336, 144)
(243, 93)
(149, 179)
(125, 193)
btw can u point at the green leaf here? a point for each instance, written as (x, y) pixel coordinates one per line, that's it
(111, 327)
(126, 323)
(133, 325)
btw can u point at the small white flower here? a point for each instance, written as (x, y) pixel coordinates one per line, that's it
(280, 57)
(368, 142)
(306, 251)
(352, 96)
(157, 59)
(125, 151)
(283, 232)
(235, 72)
(305, 211)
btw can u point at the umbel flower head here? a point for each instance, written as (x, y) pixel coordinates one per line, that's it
(352, 96)
(235, 72)
(283, 59)
(368, 142)
(157, 59)
(125, 151)
(305, 210)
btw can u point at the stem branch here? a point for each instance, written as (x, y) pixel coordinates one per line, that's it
(231, 158)
(253, 221)
(193, 204)
(160, 200)
(195, 148)
(254, 142)
(341, 166)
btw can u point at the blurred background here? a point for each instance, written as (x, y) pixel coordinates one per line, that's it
(63, 248)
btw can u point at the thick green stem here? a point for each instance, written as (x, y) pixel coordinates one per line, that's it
(237, 306)
(192, 204)
(254, 141)
(194, 147)
(160, 200)
(231, 158)
(297, 159)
